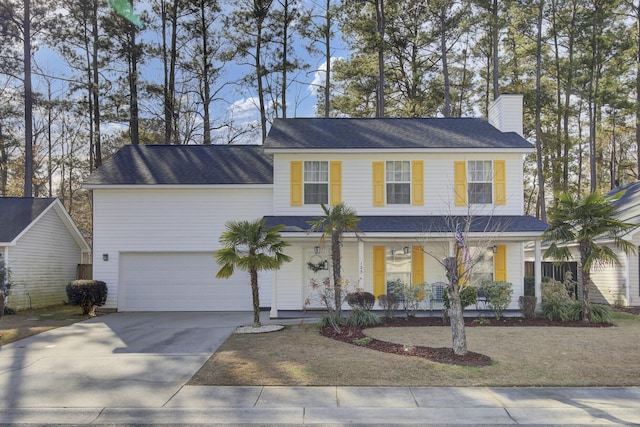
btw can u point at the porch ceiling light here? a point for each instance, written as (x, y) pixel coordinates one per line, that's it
(316, 250)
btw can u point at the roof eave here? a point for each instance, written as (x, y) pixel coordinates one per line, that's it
(289, 150)
(173, 186)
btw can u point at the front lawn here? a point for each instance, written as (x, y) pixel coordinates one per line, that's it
(522, 356)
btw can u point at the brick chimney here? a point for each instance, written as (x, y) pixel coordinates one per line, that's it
(506, 113)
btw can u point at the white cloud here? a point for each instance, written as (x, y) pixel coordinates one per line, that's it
(320, 75)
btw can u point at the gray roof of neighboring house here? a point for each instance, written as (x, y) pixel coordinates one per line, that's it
(433, 133)
(185, 164)
(628, 206)
(423, 224)
(16, 213)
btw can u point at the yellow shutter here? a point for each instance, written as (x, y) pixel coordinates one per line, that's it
(417, 265)
(500, 262)
(296, 183)
(335, 182)
(499, 182)
(379, 262)
(378, 183)
(460, 183)
(417, 184)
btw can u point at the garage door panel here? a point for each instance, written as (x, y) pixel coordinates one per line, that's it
(179, 282)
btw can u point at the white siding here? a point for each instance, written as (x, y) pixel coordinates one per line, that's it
(167, 220)
(42, 263)
(357, 184)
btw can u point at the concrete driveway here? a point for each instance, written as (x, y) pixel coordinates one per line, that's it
(120, 360)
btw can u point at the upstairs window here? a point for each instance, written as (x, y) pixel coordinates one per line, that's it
(316, 182)
(398, 179)
(480, 182)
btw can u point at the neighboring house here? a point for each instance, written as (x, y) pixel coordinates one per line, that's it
(614, 284)
(42, 247)
(159, 210)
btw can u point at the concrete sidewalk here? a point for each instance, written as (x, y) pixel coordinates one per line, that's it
(359, 406)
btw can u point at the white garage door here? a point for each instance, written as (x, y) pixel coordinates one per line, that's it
(180, 282)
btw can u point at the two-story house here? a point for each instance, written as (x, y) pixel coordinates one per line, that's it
(159, 210)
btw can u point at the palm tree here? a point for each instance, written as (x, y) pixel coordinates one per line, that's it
(590, 222)
(252, 247)
(336, 220)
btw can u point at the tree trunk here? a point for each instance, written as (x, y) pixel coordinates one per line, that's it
(133, 87)
(256, 298)
(206, 124)
(336, 265)
(456, 317)
(95, 89)
(541, 197)
(28, 104)
(381, 24)
(638, 89)
(494, 45)
(327, 53)
(445, 65)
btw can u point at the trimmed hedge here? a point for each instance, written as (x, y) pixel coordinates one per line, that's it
(87, 294)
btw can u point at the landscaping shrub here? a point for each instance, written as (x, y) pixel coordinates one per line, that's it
(468, 296)
(498, 295)
(362, 318)
(600, 313)
(530, 286)
(555, 300)
(331, 321)
(528, 306)
(389, 304)
(361, 300)
(411, 296)
(555, 310)
(87, 294)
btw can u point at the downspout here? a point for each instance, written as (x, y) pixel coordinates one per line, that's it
(360, 263)
(273, 314)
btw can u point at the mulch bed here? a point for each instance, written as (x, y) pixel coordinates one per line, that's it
(446, 355)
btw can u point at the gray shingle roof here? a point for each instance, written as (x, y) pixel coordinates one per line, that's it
(16, 213)
(628, 206)
(422, 224)
(449, 133)
(185, 164)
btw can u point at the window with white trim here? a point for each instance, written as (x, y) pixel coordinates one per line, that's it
(316, 182)
(398, 266)
(483, 265)
(480, 181)
(398, 180)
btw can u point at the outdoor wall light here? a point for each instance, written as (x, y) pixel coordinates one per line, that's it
(316, 250)
(325, 265)
(406, 250)
(105, 257)
(495, 249)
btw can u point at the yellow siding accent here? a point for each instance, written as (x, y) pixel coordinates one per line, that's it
(499, 182)
(296, 183)
(378, 183)
(500, 262)
(335, 183)
(417, 178)
(460, 183)
(417, 265)
(379, 263)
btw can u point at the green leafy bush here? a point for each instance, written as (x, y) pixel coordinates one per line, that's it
(361, 300)
(528, 306)
(87, 294)
(468, 296)
(389, 304)
(530, 286)
(411, 296)
(600, 313)
(362, 319)
(556, 310)
(331, 321)
(498, 295)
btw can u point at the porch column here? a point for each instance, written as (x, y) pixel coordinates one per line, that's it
(537, 269)
(361, 283)
(273, 314)
(627, 278)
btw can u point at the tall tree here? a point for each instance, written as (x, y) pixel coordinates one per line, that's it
(336, 221)
(589, 221)
(251, 246)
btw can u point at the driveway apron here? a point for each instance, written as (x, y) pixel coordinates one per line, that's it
(120, 360)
